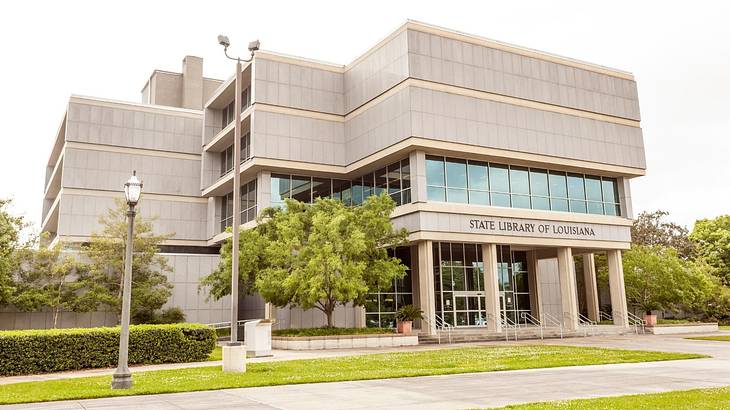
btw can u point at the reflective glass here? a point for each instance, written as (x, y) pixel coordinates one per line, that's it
(381, 181)
(478, 197)
(455, 173)
(576, 189)
(595, 208)
(321, 188)
(593, 189)
(279, 188)
(500, 199)
(478, 175)
(457, 196)
(610, 192)
(539, 202)
(498, 179)
(301, 188)
(394, 178)
(519, 180)
(559, 205)
(557, 185)
(436, 194)
(435, 171)
(521, 201)
(578, 206)
(611, 209)
(538, 182)
(405, 171)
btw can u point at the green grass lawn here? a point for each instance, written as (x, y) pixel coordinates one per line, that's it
(718, 398)
(724, 327)
(372, 366)
(216, 354)
(720, 338)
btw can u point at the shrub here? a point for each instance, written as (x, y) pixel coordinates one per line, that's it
(40, 351)
(330, 331)
(408, 313)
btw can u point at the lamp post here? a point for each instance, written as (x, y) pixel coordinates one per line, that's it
(252, 47)
(122, 378)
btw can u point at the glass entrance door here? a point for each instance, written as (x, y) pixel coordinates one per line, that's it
(470, 309)
(514, 287)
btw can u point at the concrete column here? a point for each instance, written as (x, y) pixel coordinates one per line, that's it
(491, 287)
(426, 285)
(360, 316)
(192, 77)
(263, 190)
(534, 284)
(589, 276)
(417, 161)
(618, 291)
(568, 288)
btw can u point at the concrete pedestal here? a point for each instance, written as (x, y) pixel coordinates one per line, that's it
(234, 358)
(258, 337)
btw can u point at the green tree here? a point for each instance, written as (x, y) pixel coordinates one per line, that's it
(105, 250)
(712, 239)
(316, 256)
(11, 227)
(657, 278)
(650, 229)
(50, 278)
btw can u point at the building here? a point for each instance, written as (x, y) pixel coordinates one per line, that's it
(506, 163)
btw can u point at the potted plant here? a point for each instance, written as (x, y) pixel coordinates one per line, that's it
(405, 316)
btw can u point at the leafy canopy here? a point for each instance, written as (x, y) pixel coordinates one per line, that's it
(315, 256)
(11, 227)
(650, 229)
(712, 238)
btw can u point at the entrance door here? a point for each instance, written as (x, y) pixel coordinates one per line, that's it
(514, 288)
(470, 309)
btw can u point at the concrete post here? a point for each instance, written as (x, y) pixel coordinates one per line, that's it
(491, 287)
(589, 276)
(568, 288)
(618, 291)
(417, 161)
(426, 285)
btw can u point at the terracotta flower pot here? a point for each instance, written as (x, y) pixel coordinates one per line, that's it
(650, 320)
(405, 327)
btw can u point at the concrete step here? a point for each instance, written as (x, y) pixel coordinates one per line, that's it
(532, 332)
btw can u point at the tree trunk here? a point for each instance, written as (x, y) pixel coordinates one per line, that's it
(56, 311)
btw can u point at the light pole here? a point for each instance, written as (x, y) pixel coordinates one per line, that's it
(252, 47)
(122, 378)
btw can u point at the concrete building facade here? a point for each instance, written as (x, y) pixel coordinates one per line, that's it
(505, 163)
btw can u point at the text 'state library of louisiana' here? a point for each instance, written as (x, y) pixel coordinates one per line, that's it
(511, 169)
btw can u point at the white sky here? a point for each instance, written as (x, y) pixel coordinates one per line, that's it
(679, 54)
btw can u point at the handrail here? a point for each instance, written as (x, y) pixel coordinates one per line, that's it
(636, 321)
(604, 316)
(507, 323)
(587, 323)
(533, 321)
(550, 319)
(439, 323)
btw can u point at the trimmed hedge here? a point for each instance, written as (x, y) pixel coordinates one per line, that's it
(41, 351)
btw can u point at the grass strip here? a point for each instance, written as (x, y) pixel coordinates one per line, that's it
(364, 367)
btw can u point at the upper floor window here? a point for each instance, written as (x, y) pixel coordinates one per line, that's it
(482, 183)
(228, 113)
(227, 155)
(395, 179)
(248, 205)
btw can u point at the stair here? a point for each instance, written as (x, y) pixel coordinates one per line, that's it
(531, 332)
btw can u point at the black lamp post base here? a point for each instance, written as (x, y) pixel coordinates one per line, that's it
(122, 381)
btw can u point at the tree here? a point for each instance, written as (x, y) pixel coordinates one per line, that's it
(656, 278)
(150, 288)
(11, 227)
(317, 255)
(712, 239)
(650, 229)
(50, 278)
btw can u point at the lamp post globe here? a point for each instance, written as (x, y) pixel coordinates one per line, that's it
(122, 378)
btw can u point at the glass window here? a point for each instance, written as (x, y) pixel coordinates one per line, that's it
(578, 206)
(538, 182)
(321, 188)
(436, 194)
(456, 173)
(458, 196)
(357, 197)
(500, 199)
(367, 186)
(394, 178)
(521, 201)
(559, 205)
(593, 189)
(558, 185)
(576, 189)
(519, 181)
(301, 188)
(381, 181)
(542, 203)
(610, 191)
(435, 174)
(280, 188)
(478, 197)
(498, 179)
(477, 174)
(595, 208)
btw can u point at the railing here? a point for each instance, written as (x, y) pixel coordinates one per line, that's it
(604, 316)
(636, 322)
(439, 323)
(507, 324)
(548, 319)
(227, 325)
(528, 318)
(587, 323)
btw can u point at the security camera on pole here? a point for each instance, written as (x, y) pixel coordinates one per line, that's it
(234, 353)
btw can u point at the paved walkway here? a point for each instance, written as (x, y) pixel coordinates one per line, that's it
(465, 390)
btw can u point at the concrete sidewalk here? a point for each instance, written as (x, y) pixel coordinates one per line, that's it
(465, 390)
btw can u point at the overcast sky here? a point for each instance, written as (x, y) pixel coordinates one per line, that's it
(679, 54)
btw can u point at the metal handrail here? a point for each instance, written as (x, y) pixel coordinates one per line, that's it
(604, 316)
(533, 321)
(585, 322)
(636, 321)
(507, 323)
(439, 323)
(547, 318)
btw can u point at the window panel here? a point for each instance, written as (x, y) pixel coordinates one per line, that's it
(578, 206)
(576, 190)
(521, 201)
(321, 188)
(458, 196)
(478, 175)
(435, 174)
(301, 188)
(559, 205)
(519, 180)
(436, 194)
(500, 199)
(541, 203)
(610, 190)
(455, 173)
(595, 208)
(405, 174)
(593, 189)
(539, 182)
(558, 188)
(381, 181)
(280, 188)
(394, 178)
(479, 197)
(498, 179)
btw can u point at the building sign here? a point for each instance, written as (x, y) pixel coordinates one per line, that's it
(557, 229)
